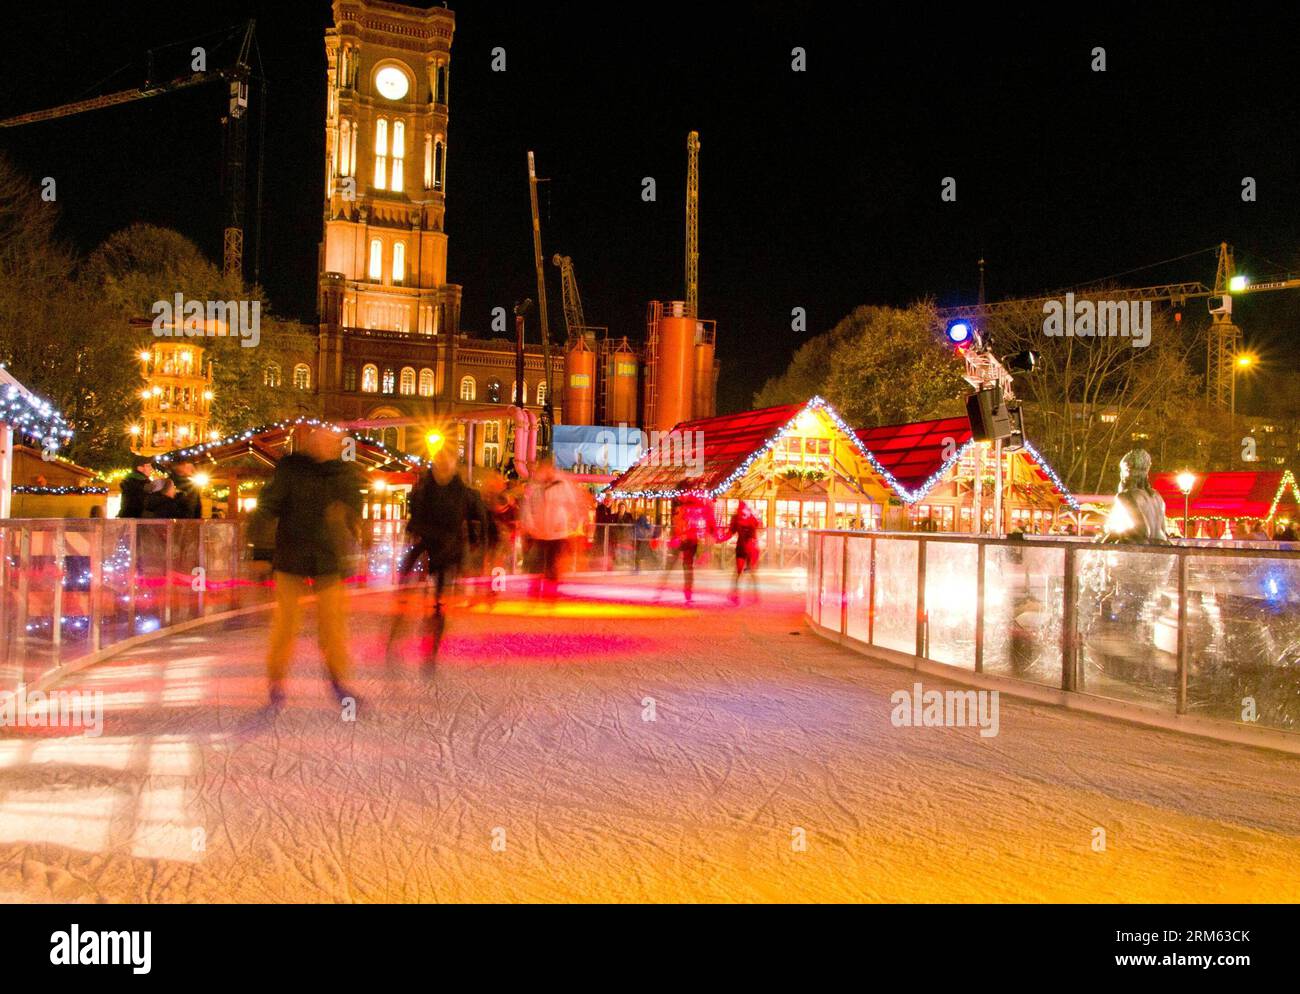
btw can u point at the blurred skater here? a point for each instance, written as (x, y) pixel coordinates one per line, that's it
(693, 523)
(503, 508)
(745, 525)
(316, 499)
(552, 514)
(440, 508)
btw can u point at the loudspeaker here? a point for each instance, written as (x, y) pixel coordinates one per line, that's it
(988, 414)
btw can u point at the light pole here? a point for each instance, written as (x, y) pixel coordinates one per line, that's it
(1242, 361)
(1186, 480)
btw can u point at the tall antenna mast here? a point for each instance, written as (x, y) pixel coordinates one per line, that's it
(693, 224)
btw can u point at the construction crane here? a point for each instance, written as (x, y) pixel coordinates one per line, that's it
(548, 407)
(693, 224)
(1224, 345)
(574, 319)
(235, 121)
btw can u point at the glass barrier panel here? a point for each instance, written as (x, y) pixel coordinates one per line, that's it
(895, 607)
(832, 553)
(1128, 625)
(858, 583)
(1243, 632)
(951, 583)
(1024, 603)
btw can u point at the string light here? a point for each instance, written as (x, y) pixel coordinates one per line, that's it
(58, 491)
(29, 415)
(190, 452)
(1287, 481)
(907, 494)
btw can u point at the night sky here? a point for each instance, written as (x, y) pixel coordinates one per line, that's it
(818, 189)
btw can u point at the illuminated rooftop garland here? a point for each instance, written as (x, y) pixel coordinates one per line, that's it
(58, 491)
(28, 415)
(908, 495)
(1287, 480)
(244, 436)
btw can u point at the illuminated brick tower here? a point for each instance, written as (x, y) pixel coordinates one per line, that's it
(383, 260)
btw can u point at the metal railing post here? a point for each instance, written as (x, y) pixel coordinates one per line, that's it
(56, 612)
(1183, 646)
(132, 572)
(97, 583)
(203, 568)
(871, 593)
(922, 622)
(168, 552)
(24, 582)
(1069, 625)
(979, 606)
(844, 585)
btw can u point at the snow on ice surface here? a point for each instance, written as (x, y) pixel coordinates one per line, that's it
(533, 724)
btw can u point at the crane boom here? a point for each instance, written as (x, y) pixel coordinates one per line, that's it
(693, 224)
(237, 75)
(574, 319)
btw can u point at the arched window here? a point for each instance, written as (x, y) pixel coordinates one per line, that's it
(407, 383)
(399, 154)
(494, 391)
(426, 382)
(441, 97)
(349, 377)
(271, 375)
(376, 259)
(399, 262)
(302, 376)
(428, 162)
(369, 378)
(390, 379)
(381, 153)
(439, 154)
(468, 388)
(541, 392)
(345, 149)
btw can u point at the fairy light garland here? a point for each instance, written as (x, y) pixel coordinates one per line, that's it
(907, 494)
(181, 455)
(31, 416)
(59, 491)
(1287, 480)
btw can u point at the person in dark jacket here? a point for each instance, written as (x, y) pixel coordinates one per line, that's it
(441, 507)
(135, 487)
(315, 498)
(189, 499)
(161, 500)
(745, 525)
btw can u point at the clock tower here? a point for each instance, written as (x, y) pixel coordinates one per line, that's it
(383, 260)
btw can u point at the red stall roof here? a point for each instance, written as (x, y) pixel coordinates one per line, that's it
(906, 455)
(1228, 494)
(727, 440)
(914, 452)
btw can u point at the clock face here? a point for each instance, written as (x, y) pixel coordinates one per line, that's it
(391, 83)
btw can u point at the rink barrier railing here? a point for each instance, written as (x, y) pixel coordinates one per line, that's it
(112, 583)
(1199, 640)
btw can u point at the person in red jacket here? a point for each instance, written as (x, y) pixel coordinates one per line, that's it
(745, 525)
(693, 522)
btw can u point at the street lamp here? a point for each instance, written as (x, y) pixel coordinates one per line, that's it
(1186, 480)
(1242, 361)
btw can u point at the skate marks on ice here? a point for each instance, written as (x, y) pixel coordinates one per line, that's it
(596, 753)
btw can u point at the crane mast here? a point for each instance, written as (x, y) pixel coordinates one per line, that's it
(693, 224)
(547, 417)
